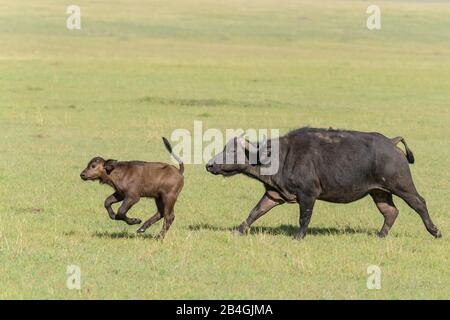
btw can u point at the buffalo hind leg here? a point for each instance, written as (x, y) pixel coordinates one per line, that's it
(386, 206)
(263, 206)
(155, 218)
(306, 210)
(417, 202)
(169, 216)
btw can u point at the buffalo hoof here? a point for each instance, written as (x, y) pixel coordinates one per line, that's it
(381, 235)
(438, 234)
(241, 230)
(299, 236)
(238, 232)
(140, 230)
(160, 237)
(133, 221)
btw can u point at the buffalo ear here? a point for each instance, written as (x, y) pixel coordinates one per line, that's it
(244, 143)
(110, 165)
(264, 152)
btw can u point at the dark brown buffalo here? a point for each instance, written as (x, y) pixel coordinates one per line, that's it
(330, 165)
(133, 180)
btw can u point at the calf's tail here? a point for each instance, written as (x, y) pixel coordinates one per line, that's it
(409, 153)
(169, 148)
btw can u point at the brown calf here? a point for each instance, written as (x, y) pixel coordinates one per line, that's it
(133, 180)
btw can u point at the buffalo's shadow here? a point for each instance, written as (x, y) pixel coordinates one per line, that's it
(121, 235)
(288, 230)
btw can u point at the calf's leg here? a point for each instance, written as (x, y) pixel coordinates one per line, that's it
(114, 198)
(169, 216)
(263, 206)
(155, 218)
(127, 203)
(386, 206)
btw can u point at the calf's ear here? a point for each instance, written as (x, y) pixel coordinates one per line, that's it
(110, 165)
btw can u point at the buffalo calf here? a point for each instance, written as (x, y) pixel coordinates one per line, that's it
(132, 180)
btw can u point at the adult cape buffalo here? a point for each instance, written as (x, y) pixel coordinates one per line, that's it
(331, 165)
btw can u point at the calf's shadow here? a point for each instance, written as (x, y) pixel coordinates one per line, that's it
(122, 235)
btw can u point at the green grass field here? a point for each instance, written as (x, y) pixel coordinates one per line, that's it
(138, 70)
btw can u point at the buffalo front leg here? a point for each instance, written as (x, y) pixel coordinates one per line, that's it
(263, 206)
(114, 198)
(122, 212)
(306, 210)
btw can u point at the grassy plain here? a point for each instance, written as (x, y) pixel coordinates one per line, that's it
(138, 70)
